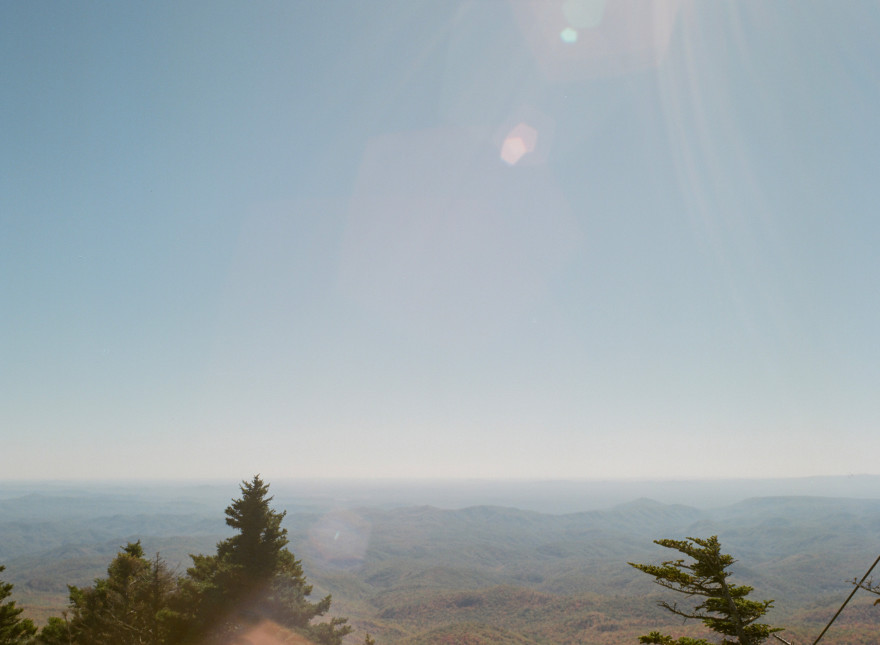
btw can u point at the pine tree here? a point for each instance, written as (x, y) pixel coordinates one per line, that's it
(724, 607)
(254, 576)
(251, 579)
(131, 606)
(14, 630)
(260, 542)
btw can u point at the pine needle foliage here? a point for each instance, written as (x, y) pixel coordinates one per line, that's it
(722, 607)
(13, 628)
(251, 580)
(254, 576)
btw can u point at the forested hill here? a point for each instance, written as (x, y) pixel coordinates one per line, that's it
(401, 572)
(411, 569)
(830, 539)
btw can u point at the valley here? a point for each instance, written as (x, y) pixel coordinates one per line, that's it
(419, 574)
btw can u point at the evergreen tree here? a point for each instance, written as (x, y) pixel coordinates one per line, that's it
(14, 630)
(258, 547)
(56, 632)
(131, 606)
(723, 608)
(254, 576)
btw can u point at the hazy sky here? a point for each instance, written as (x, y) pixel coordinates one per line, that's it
(439, 238)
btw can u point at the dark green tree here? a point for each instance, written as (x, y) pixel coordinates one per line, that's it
(259, 546)
(14, 630)
(56, 632)
(254, 576)
(131, 606)
(723, 607)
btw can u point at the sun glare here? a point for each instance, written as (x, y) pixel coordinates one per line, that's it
(520, 141)
(574, 40)
(569, 35)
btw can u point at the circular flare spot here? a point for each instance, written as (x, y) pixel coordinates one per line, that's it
(520, 141)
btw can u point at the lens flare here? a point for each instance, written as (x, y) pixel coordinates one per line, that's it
(268, 632)
(513, 150)
(574, 40)
(340, 537)
(520, 141)
(569, 35)
(442, 241)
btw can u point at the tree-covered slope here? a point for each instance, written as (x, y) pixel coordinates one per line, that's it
(401, 572)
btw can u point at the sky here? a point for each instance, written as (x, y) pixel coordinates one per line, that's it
(439, 239)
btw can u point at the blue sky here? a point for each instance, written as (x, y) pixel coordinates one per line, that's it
(478, 239)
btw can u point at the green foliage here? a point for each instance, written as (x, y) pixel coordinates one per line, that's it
(253, 576)
(14, 630)
(724, 608)
(258, 546)
(56, 632)
(129, 606)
